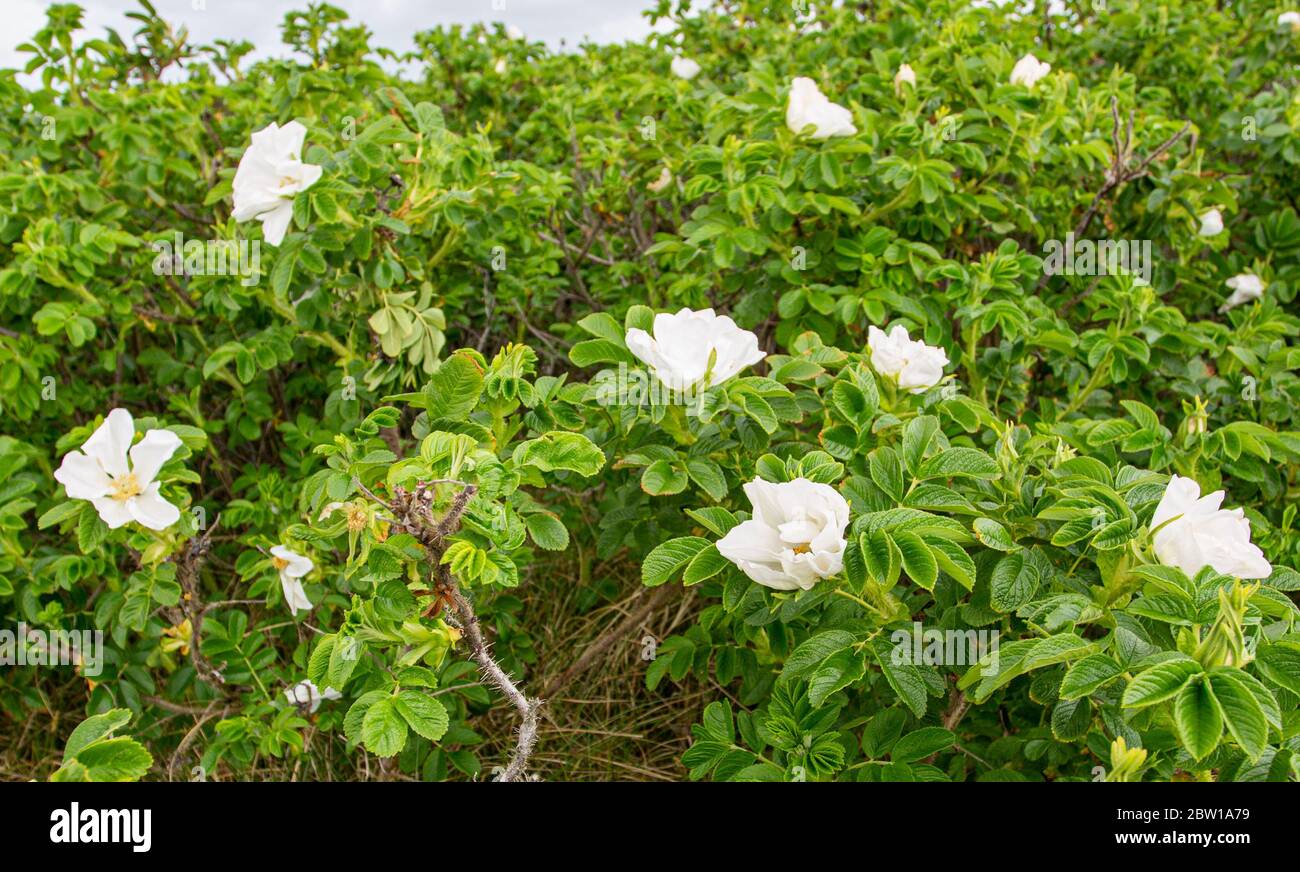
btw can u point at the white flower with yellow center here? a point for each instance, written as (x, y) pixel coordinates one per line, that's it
(117, 477)
(270, 173)
(292, 567)
(693, 348)
(796, 537)
(912, 364)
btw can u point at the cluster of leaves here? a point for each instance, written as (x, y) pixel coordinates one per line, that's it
(495, 193)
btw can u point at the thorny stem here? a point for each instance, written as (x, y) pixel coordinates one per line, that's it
(528, 708)
(411, 512)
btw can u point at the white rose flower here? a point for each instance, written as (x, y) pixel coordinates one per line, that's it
(914, 365)
(292, 566)
(690, 346)
(306, 693)
(270, 173)
(1289, 19)
(1028, 70)
(1211, 223)
(513, 32)
(120, 491)
(809, 106)
(499, 67)
(684, 68)
(1204, 534)
(795, 538)
(1245, 287)
(905, 76)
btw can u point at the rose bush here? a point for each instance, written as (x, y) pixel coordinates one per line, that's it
(316, 374)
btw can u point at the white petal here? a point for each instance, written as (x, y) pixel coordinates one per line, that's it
(110, 441)
(82, 477)
(151, 452)
(751, 541)
(112, 512)
(294, 596)
(151, 510)
(275, 223)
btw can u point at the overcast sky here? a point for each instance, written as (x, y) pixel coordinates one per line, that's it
(392, 21)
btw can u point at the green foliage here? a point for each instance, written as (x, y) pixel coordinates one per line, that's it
(427, 389)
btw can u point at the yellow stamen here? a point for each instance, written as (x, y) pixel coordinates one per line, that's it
(357, 519)
(803, 549)
(279, 562)
(125, 486)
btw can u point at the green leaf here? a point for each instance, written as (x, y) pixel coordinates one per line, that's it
(918, 562)
(602, 325)
(919, 744)
(120, 759)
(560, 450)
(453, 391)
(547, 531)
(668, 558)
(91, 532)
(959, 462)
(1160, 682)
(1013, 583)
(663, 478)
(708, 475)
(917, 438)
(95, 727)
(592, 351)
(882, 557)
(1241, 710)
(993, 534)
(904, 678)
(1087, 675)
(715, 519)
(1280, 663)
(887, 472)
(383, 729)
(954, 560)
(836, 672)
(60, 512)
(704, 565)
(814, 650)
(1198, 718)
(424, 714)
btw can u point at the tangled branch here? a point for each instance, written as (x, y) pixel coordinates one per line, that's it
(412, 510)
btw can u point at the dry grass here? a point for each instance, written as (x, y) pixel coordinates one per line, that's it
(602, 725)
